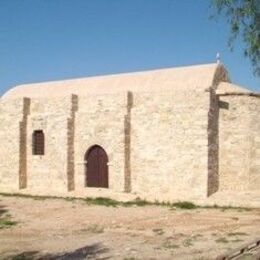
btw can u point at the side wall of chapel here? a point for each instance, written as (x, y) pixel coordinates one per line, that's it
(12, 139)
(158, 144)
(239, 142)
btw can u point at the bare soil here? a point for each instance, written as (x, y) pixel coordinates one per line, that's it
(61, 229)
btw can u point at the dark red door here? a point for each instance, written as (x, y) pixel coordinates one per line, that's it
(96, 169)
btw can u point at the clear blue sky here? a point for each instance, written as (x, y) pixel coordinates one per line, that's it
(43, 40)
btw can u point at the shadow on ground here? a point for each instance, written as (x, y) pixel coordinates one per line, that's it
(88, 252)
(2, 210)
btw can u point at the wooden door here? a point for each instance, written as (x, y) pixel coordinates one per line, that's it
(96, 169)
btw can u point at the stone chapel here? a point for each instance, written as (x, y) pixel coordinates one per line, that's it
(170, 134)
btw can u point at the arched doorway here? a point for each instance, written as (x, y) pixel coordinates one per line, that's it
(96, 169)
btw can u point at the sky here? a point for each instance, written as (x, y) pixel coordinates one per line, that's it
(43, 40)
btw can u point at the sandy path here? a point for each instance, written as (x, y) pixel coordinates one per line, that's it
(54, 227)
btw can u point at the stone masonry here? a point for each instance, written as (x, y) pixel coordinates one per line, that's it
(170, 134)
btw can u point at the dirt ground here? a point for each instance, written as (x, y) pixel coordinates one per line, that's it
(61, 229)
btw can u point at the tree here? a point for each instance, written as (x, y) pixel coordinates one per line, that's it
(244, 19)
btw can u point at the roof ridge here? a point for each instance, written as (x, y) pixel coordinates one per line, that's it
(186, 77)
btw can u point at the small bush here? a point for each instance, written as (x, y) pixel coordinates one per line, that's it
(222, 240)
(6, 223)
(158, 231)
(137, 202)
(237, 240)
(184, 205)
(102, 201)
(169, 245)
(188, 242)
(237, 234)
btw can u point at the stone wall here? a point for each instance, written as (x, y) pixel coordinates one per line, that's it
(170, 144)
(11, 128)
(48, 172)
(157, 144)
(254, 169)
(239, 142)
(100, 120)
(173, 145)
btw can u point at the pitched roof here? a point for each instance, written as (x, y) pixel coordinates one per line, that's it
(227, 87)
(188, 78)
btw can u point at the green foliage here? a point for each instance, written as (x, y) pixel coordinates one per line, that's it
(102, 202)
(137, 202)
(184, 205)
(5, 222)
(188, 242)
(168, 244)
(237, 234)
(243, 17)
(20, 195)
(222, 240)
(158, 231)
(22, 257)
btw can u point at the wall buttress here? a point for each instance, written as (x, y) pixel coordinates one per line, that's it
(70, 144)
(128, 142)
(23, 144)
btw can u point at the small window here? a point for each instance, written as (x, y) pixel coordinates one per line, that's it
(38, 142)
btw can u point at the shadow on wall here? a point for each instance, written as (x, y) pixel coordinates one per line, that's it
(88, 252)
(223, 105)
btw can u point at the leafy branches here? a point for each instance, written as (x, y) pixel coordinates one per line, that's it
(244, 19)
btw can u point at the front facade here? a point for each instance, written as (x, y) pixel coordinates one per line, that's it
(171, 134)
